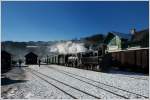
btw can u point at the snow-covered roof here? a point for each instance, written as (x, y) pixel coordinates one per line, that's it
(122, 35)
(30, 54)
(129, 49)
(5, 52)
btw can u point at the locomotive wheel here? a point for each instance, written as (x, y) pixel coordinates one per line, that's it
(88, 67)
(93, 67)
(99, 68)
(67, 65)
(72, 65)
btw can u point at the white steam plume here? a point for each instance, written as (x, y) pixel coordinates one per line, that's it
(68, 47)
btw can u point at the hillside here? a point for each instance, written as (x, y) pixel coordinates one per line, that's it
(42, 49)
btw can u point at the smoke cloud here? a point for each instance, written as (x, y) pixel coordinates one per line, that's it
(68, 47)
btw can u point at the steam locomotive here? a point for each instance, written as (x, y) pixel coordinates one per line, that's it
(100, 60)
(97, 60)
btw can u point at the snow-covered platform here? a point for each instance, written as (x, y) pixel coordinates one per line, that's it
(60, 82)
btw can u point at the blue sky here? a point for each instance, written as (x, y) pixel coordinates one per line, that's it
(48, 21)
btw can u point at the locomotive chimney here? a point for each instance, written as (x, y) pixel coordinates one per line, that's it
(133, 31)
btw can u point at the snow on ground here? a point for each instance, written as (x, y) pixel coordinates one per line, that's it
(124, 81)
(74, 83)
(33, 88)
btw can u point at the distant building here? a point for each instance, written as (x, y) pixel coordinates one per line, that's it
(139, 38)
(31, 58)
(117, 41)
(5, 61)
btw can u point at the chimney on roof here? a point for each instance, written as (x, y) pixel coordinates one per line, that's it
(133, 31)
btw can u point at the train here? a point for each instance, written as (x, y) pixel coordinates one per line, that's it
(136, 60)
(133, 59)
(97, 60)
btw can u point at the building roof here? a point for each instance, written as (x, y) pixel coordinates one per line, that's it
(5, 52)
(31, 53)
(122, 35)
(139, 35)
(129, 49)
(110, 35)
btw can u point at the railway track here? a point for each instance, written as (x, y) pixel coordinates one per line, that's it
(127, 76)
(135, 78)
(107, 87)
(132, 77)
(53, 85)
(38, 74)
